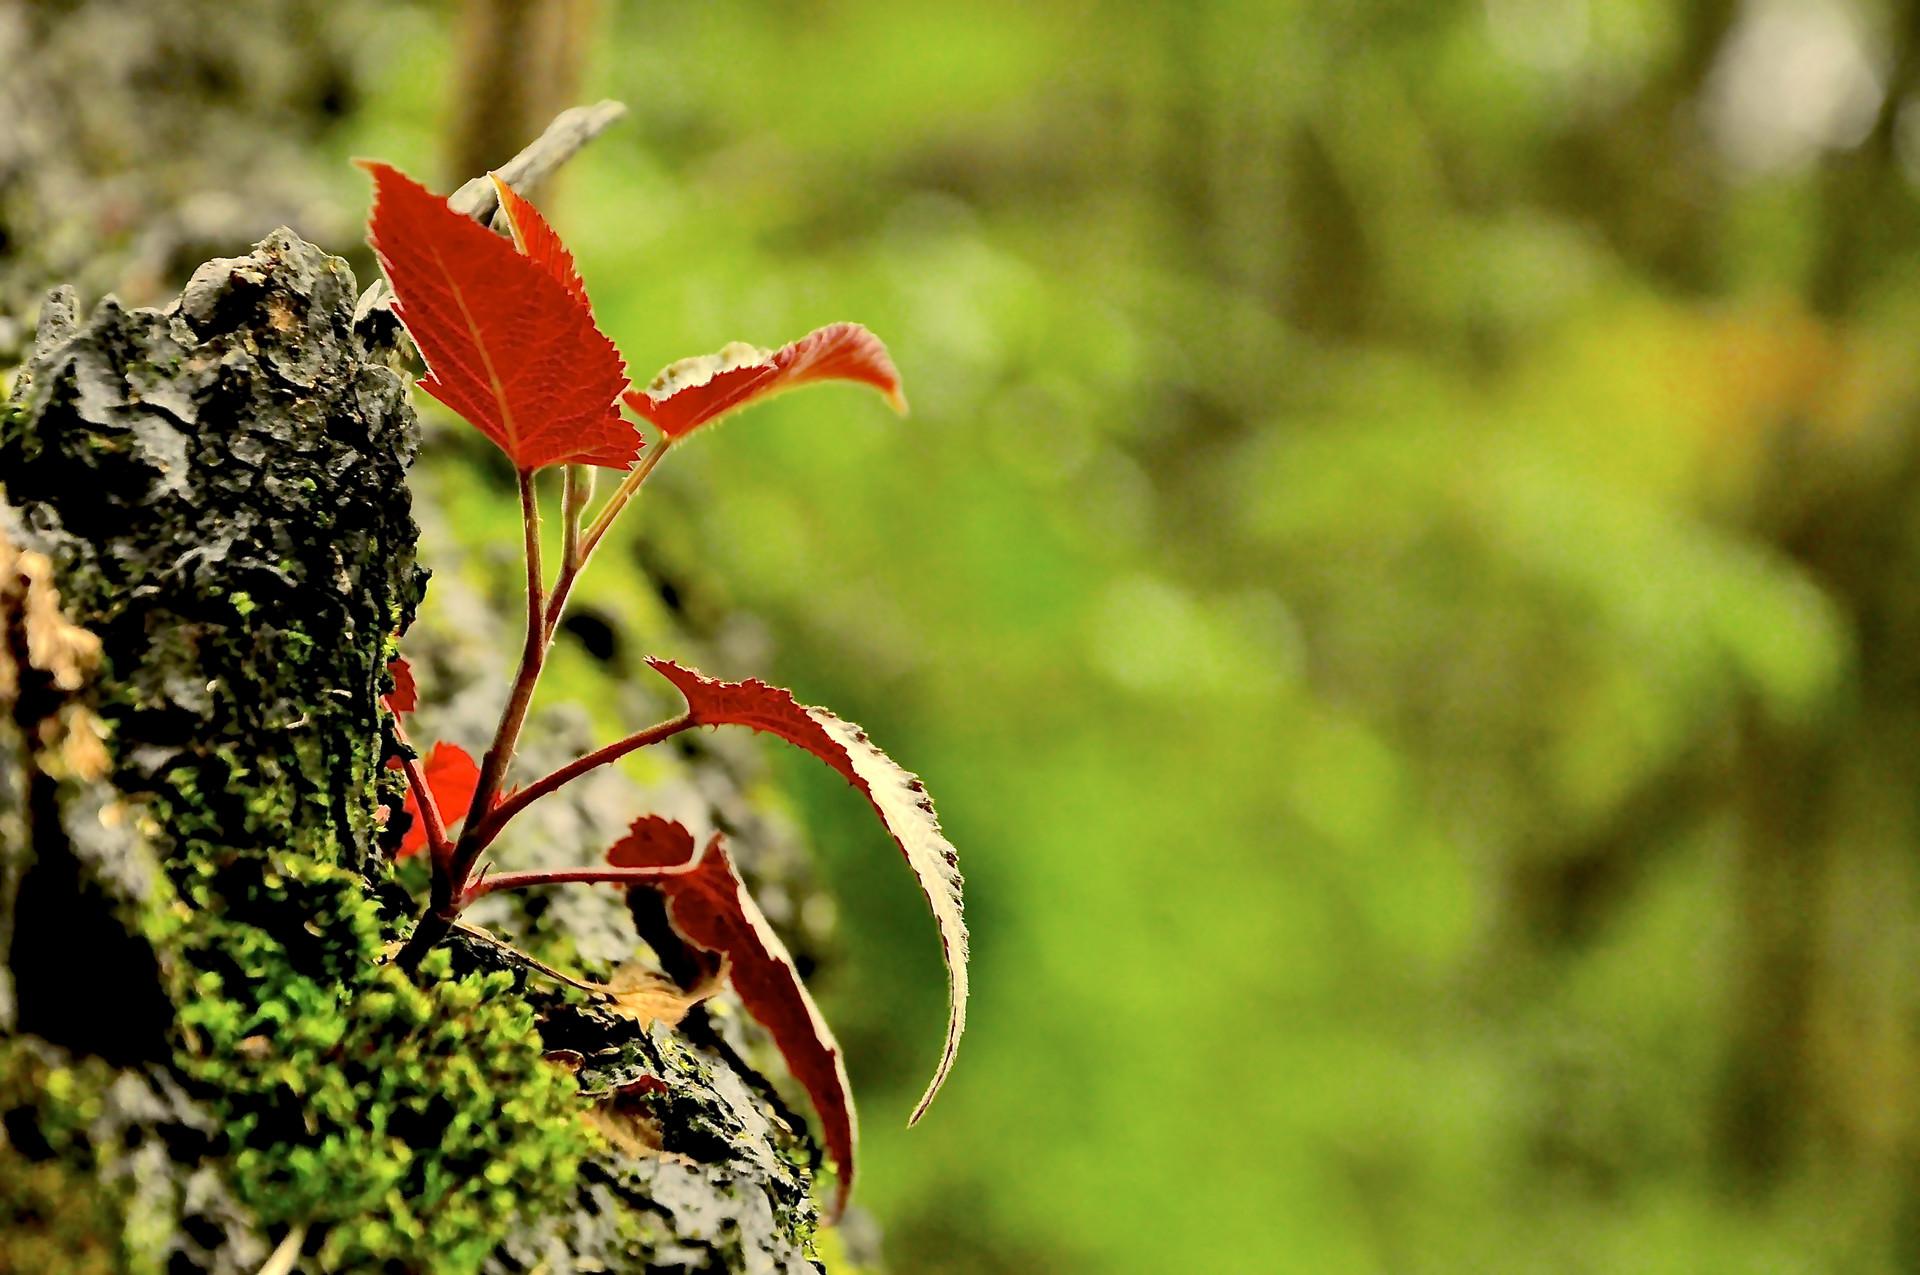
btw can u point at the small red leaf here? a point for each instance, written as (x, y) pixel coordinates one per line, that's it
(688, 394)
(451, 777)
(653, 841)
(896, 796)
(711, 909)
(404, 696)
(508, 345)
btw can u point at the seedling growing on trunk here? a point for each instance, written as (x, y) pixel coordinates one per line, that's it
(511, 345)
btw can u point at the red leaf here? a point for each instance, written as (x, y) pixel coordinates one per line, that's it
(508, 345)
(451, 777)
(897, 797)
(688, 394)
(537, 240)
(711, 909)
(404, 696)
(654, 841)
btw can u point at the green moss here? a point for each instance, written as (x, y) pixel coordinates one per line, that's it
(406, 1125)
(401, 1123)
(397, 1120)
(299, 647)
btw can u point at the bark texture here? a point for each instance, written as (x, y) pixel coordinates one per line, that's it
(206, 1056)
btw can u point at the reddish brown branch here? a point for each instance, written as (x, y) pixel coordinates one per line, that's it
(497, 819)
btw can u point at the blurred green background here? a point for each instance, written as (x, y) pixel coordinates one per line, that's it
(1401, 576)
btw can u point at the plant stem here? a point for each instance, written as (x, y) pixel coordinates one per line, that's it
(432, 926)
(515, 955)
(618, 501)
(565, 876)
(583, 545)
(436, 827)
(450, 884)
(573, 504)
(497, 818)
(514, 716)
(453, 866)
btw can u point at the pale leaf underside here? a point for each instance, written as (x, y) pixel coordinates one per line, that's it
(692, 392)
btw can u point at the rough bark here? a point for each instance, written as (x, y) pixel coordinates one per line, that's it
(206, 1055)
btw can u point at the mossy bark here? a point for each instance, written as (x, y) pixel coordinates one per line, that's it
(207, 1053)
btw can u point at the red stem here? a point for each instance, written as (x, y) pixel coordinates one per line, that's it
(450, 875)
(436, 827)
(497, 819)
(454, 865)
(493, 771)
(563, 876)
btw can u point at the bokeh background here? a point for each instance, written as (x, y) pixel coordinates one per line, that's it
(1401, 575)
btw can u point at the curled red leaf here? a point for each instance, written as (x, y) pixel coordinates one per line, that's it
(451, 777)
(711, 909)
(896, 796)
(688, 394)
(509, 345)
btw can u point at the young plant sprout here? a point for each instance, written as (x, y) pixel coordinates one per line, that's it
(511, 345)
